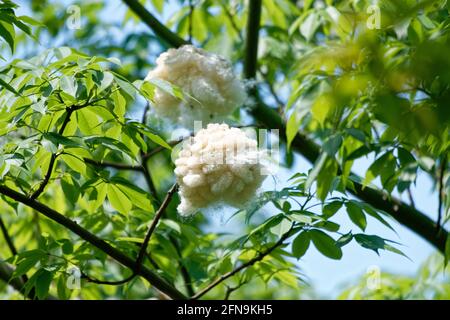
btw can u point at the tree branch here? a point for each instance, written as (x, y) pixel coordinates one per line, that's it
(403, 213)
(114, 253)
(249, 263)
(158, 28)
(7, 237)
(441, 192)
(155, 221)
(10, 244)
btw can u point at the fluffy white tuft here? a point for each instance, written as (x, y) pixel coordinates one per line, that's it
(213, 90)
(218, 165)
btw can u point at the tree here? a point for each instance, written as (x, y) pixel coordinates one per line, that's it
(86, 178)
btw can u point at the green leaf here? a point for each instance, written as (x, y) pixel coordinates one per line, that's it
(3, 83)
(7, 33)
(68, 85)
(331, 208)
(300, 244)
(61, 287)
(357, 215)
(110, 143)
(140, 198)
(25, 265)
(119, 200)
(156, 139)
(292, 127)
(43, 282)
(67, 247)
(332, 144)
(325, 244)
(281, 228)
(344, 240)
(320, 162)
(172, 225)
(58, 139)
(371, 242)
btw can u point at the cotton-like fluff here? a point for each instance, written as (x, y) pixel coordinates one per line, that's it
(212, 89)
(219, 165)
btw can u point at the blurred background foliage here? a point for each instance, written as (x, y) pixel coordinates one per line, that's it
(361, 90)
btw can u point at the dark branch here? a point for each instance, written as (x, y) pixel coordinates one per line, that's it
(10, 243)
(51, 164)
(8, 238)
(114, 253)
(191, 19)
(441, 192)
(152, 226)
(158, 28)
(252, 39)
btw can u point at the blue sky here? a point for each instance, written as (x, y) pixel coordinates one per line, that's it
(328, 276)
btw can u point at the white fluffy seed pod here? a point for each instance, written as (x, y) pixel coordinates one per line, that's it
(218, 165)
(213, 90)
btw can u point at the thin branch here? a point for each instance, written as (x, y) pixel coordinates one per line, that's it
(441, 192)
(8, 238)
(51, 164)
(109, 283)
(152, 226)
(184, 271)
(411, 198)
(191, 19)
(102, 245)
(230, 290)
(10, 243)
(249, 263)
(69, 111)
(232, 21)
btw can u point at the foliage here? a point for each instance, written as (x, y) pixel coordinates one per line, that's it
(73, 138)
(430, 282)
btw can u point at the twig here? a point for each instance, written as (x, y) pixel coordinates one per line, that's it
(191, 19)
(7, 237)
(152, 226)
(441, 192)
(10, 244)
(249, 263)
(51, 164)
(184, 271)
(69, 111)
(232, 21)
(411, 198)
